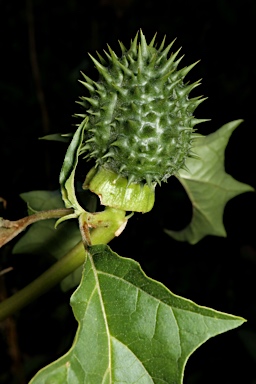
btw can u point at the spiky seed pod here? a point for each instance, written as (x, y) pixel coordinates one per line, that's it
(141, 119)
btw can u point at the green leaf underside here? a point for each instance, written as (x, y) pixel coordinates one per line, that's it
(132, 329)
(208, 186)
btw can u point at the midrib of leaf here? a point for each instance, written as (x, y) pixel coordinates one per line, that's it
(156, 299)
(97, 273)
(104, 316)
(130, 351)
(159, 303)
(141, 322)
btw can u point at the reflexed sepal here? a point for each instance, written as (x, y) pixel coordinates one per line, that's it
(116, 192)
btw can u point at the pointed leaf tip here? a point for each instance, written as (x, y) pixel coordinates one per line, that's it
(131, 327)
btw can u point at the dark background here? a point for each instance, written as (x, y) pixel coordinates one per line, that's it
(43, 46)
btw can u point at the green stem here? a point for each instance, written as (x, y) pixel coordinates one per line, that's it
(44, 283)
(10, 229)
(63, 267)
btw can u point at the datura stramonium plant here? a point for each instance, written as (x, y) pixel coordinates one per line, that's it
(139, 123)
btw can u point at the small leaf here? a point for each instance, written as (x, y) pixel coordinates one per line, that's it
(43, 200)
(208, 186)
(131, 329)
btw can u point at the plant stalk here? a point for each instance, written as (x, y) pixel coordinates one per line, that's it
(63, 267)
(44, 282)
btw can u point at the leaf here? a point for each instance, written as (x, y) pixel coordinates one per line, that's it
(208, 186)
(10, 229)
(131, 329)
(43, 200)
(67, 173)
(46, 200)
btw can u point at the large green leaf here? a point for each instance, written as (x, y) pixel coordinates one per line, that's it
(132, 329)
(208, 186)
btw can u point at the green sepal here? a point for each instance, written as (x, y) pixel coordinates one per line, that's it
(67, 174)
(116, 192)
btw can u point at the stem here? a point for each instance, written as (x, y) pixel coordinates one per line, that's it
(44, 282)
(63, 267)
(10, 229)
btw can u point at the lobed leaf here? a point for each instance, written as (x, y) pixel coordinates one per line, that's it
(208, 186)
(132, 329)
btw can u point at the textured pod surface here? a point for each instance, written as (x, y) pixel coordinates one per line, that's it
(141, 119)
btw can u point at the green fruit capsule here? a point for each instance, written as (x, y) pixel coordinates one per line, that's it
(141, 123)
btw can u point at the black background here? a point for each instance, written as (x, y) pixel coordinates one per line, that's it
(217, 272)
